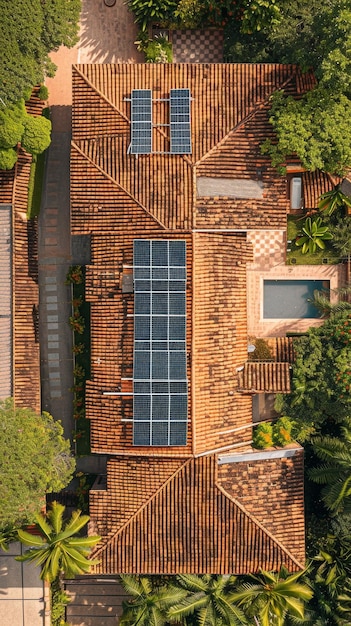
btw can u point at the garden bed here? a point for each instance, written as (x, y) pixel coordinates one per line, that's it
(294, 254)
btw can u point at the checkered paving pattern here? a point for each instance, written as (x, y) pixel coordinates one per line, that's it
(197, 46)
(268, 246)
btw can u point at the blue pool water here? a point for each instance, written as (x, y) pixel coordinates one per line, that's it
(288, 299)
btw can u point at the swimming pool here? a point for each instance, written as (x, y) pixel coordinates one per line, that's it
(288, 299)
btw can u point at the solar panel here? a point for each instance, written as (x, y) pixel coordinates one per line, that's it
(160, 407)
(141, 118)
(180, 121)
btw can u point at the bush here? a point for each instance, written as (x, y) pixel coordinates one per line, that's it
(36, 137)
(282, 432)
(147, 11)
(159, 50)
(11, 132)
(43, 92)
(8, 158)
(262, 351)
(59, 601)
(262, 436)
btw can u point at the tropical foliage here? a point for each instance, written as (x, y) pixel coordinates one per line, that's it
(319, 400)
(35, 459)
(269, 598)
(333, 200)
(314, 235)
(57, 549)
(335, 472)
(210, 599)
(151, 600)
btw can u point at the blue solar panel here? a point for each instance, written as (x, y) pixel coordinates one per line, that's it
(141, 118)
(160, 385)
(180, 121)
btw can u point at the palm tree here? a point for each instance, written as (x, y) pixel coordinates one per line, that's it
(271, 598)
(151, 600)
(210, 598)
(321, 300)
(333, 200)
(335, 473)
(58, 549)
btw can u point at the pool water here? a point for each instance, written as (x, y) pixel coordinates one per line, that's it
(288, 299)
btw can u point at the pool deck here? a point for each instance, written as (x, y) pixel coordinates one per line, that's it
(269, 249)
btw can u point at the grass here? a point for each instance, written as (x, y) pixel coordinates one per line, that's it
(294, 227)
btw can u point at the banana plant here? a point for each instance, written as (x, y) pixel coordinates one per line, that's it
(332, 200)
(313, 236)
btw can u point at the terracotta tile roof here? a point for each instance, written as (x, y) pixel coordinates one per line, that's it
(177, 510)
(199, 520)
(268, 377)
(229, 120)
(25, 379)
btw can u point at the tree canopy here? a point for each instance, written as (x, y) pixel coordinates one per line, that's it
(32, 29)
(320, 398)
(316, 35)
(34, 459)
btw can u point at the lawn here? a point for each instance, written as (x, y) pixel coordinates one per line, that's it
(294, 254)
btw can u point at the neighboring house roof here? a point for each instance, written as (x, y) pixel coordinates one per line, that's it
(169, 509)
(19, 339)
(267, 377)
(6, 301)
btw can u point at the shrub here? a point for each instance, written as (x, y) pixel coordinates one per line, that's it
(159, 50)
(146, 11)
(43, 92)
(77, 324)
(59, 601)
(36, 137)
(8, 158)
(282, 432)
(11, 132)
(262, 351)
(74, 275)
(263, 436)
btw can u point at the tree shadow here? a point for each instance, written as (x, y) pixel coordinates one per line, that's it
(107, 33)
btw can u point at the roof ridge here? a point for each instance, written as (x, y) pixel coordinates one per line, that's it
(260, 105)
(144, 505)
(75, 145)
(259, 524)
(100, 93)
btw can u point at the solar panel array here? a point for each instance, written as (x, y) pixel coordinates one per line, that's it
(160, 404)
(180, 121)
(141, 118)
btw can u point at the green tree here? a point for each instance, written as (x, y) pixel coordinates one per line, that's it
(34, 459)
(36, 136)
(210, 598)
(271, 597)
(319, 400)
(58, 549)
(151, 600)
(335, 472)
(8, 158)
(31, 30)
(314, 128)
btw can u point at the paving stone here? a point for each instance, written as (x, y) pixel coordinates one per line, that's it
(51, 307)
(53, 356)
(52, 326)
(50, 287)
(50, 279)
(55, 382)
(53, 375)
(55, 393)
(51, 298)
(53, 344)
(51, 241)
(53, 364)
(52, 318)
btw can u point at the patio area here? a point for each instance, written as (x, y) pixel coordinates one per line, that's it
(269, 249)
